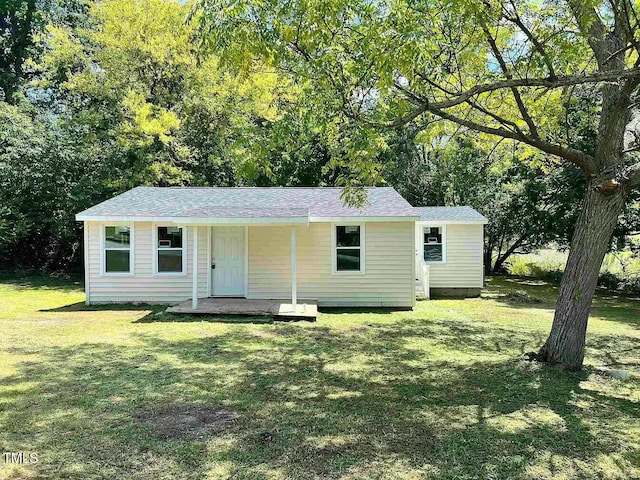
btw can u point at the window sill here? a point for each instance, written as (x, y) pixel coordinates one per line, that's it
(117, 274)
(170, 274)
(348, 272)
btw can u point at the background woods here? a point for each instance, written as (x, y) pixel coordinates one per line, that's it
(527, 110)
(98, 97)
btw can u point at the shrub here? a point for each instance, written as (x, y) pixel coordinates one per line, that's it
(631, 285)
(552, 276)
(609, 280)
(548, 265)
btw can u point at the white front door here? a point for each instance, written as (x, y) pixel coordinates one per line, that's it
(227, 261)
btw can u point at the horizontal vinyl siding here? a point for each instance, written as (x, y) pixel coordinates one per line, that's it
(389, 265)
(143, 286)
(388, 281)
(463, 267)
(270, 262)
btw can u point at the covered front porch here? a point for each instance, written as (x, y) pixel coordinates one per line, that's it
(227, 254)
(283, 309)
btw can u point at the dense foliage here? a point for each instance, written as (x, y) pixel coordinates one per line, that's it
(99, 97)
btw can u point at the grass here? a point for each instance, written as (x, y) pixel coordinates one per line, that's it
(440, 392)
(620, 270)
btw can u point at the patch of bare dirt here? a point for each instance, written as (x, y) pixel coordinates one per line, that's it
(190, 420)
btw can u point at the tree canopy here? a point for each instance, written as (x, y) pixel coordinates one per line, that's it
(512, 69)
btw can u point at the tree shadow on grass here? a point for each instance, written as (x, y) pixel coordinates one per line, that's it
(313, 402)
(40, 281)
(606, 305)
(615, 351)
(157, 313)
(77, 407)
(396, 410)
(106, 307)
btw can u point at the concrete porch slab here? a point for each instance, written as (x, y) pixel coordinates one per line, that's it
(306, 309)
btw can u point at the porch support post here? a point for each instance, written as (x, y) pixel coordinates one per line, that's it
(194, 301)
(294, 280)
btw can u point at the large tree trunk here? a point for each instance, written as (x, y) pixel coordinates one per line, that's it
(603, 203)
(589, 245)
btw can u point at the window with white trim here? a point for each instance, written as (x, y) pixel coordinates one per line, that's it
(349, 248)
(433, 244)
(117, 249)
(170, 255)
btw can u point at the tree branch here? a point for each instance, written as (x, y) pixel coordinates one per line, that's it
(516, 20)
(584, 161)
(548, 83)
(581, 159)
(593, 28)
(510, 251)
(516, 94)
(416, 100)
(629, 30)
(496, 117)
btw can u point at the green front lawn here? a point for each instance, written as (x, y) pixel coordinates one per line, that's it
(440, 392)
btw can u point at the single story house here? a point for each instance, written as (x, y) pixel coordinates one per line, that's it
(168, 245)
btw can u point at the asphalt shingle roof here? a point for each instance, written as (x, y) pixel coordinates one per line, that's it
(248, 202)
(450, 214)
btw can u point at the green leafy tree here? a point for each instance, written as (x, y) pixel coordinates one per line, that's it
(504, 69)
(527, 207)
(45, 178)
(22, 33)
(133, 75)
(115, 94)
(18, 26)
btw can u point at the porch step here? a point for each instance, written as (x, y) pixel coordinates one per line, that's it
(278, 309)
(420, 292)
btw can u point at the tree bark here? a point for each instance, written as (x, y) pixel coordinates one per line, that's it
(488, 257)
(590, 243)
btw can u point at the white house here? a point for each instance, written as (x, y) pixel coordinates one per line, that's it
(169, 245)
